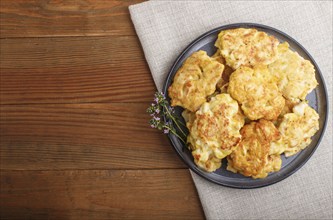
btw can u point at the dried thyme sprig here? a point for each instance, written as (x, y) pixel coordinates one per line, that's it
(160, 108)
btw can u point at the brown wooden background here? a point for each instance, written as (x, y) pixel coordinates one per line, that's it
(75, 143)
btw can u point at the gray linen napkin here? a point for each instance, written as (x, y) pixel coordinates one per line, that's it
(165, 28)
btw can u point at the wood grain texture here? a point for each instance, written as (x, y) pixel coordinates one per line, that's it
(101, 194)
(74, 137)
(74, 70)
(40, 18)
(82, 136)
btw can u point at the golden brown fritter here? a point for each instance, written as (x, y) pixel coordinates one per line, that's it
(188, 117)
(218, 57)
(297, 128)
(222, 84)
(247, 47)
(215, 131)
(251, 157)
(288, 107)
(194, 81)
(257, 93)
(295, 76)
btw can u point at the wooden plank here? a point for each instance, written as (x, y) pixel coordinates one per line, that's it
(74, 70)
(39, 18)
(82, 136)
(99, 194)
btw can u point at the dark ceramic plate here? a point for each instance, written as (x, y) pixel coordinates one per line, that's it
(317, 100)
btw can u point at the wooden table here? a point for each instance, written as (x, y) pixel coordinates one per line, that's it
(75, 140)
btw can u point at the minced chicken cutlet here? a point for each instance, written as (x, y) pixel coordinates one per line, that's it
(295, 76)
(222, 84)
(252, 157)
(297, 128)
(188, 117)
(215, 131)
(195, 80)
(258, 95)
(246, 47)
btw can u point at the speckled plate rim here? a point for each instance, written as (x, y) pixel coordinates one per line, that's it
(172, 138)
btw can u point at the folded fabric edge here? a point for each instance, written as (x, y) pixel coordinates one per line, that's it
(194, 178)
